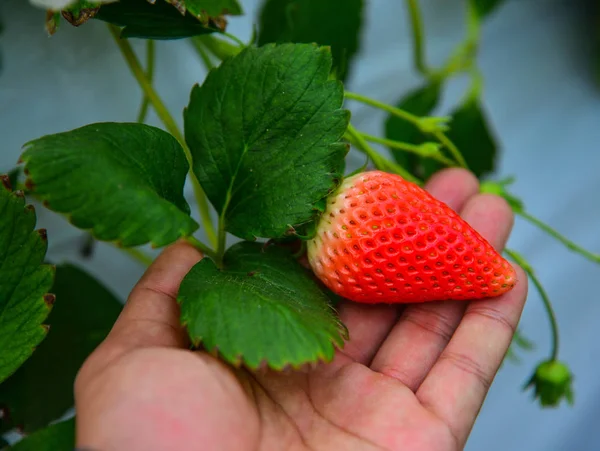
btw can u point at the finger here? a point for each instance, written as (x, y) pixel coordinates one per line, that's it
(151, 315)
(370, 325)
(458, 382)
(424, 330)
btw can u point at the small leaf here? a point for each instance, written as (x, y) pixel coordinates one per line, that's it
(160, 20)
(263, 307)
(14, 176)
(56, 437)
(204, 10)
(421, 102)
(521, 342)
(499, 189)
(336, 23)
(24, 281)
(264, 133)
(470, 132)
(483, 8)
(42, 389)
(80, 12)
(122, 181)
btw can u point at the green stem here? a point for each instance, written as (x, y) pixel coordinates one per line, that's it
(137, 255)
(222, 240)
(418, 150)
(207, 251)
(170, 124)
(409, 117)
(416, 23)
(545, 299)
(199, 47)
(473, 29)
(564, 240)
(217, 47)
(463, 56)
(379, 161)
(235, 39)
(442, 138)
(150, 53)
(476, 87)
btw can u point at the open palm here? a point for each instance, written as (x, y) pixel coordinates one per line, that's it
(410, 378)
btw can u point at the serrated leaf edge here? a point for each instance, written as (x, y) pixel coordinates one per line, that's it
(29, 183)
(47, 298)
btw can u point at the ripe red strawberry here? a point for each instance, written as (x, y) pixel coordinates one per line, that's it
(383, 239)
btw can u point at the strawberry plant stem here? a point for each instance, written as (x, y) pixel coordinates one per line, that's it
(476, 87)
(379, 161)
(234, 38)
(473, 37)
(150, 51)
(217, 47)
(207, 251)
(516, 257)
(170, 124)
(222, 240)
(202, 53)
(137, 255)
(442, 138)
(411, 148)
(564, 240)
(409, 117)
(416, 23)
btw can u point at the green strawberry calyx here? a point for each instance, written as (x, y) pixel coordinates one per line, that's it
(552, 381)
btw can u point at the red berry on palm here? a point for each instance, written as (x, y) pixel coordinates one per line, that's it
(383, 239)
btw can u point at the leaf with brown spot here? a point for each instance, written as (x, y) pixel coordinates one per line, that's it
(24, 280)
(123, 182)
(166, 20)
(213, 10)
(41, 390)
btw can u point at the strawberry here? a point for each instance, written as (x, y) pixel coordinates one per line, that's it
(382, 239)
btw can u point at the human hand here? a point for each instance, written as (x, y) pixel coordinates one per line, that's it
(410, 378)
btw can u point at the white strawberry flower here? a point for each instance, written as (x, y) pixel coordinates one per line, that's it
(57, 5)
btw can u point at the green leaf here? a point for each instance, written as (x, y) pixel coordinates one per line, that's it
(499, 189)
(264, 133)
(263, 307)
(160, 20)
(24, 281)
(336, 23)
(79, 12)
(14, 176)
(421, 102)
(204, 10)
(470, 132)
(122, 181)
(521, 342)
(483, 8)
(56, 437)
(42, 389)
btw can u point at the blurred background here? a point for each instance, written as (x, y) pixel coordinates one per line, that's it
(541, 96)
